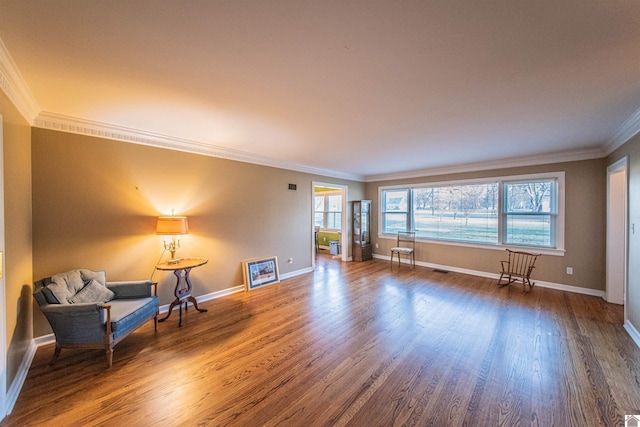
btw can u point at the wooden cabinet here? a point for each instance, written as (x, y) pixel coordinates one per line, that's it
(361, 238)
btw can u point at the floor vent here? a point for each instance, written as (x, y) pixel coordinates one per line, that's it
(437, 270)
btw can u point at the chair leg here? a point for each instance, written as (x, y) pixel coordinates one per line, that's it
(500, 280)
(56, 353)
(110, 356)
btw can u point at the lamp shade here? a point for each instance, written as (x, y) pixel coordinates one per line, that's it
(172, 225)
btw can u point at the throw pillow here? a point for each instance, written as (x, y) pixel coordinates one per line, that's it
(66, 285)
(49, 296)
(88, 275)
(92, 292)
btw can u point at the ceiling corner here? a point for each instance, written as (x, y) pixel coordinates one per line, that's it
(14, 86)
(624, 133)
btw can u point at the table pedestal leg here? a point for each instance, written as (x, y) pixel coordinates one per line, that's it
(183, 294)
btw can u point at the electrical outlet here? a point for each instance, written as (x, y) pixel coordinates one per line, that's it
(569, 270)
(377, 246)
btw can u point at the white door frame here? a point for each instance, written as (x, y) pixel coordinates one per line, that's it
(344, 243)
(3, 302)
(617, 235)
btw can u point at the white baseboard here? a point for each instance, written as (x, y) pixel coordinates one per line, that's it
(21, 375)
(633, 332)
(235, 289)
(208, 297)
(296, 273)
(542, 284)
(44, 340)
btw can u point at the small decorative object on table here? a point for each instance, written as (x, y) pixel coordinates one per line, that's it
(259, 272)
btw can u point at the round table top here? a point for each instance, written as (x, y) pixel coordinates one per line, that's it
(182, 263)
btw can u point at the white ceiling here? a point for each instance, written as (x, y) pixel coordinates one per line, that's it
(361, 88)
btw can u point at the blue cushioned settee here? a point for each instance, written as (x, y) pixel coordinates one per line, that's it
(86, 311)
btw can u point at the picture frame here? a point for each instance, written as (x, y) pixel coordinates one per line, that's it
(260, 272)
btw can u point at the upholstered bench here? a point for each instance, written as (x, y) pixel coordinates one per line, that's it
(86, 311)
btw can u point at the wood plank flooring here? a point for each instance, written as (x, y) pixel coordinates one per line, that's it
(355, 344)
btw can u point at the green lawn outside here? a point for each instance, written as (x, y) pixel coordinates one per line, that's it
(478, 227)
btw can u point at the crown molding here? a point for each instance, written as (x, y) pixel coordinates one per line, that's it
(542, 159)
(624, 133)
(61, 123)
(14, 86)
(58, 122)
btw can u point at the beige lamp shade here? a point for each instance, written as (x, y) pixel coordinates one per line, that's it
(172, 225)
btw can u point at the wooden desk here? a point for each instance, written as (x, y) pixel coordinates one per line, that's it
(183, 286)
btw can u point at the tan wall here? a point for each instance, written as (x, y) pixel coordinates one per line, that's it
(585, 227)
(17, 233)
(96, 202)
(632, 150)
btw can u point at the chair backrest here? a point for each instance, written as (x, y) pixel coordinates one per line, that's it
(407, 239)
(38, 288)
(521, 263)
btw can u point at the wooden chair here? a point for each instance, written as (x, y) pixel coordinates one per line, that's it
(406, 245)
(518, 267)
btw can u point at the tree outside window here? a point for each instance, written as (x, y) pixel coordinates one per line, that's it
(328, 211)
(503, 211)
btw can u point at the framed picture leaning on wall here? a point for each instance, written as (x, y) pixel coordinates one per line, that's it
(259, 272)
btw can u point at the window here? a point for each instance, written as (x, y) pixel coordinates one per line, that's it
(395, 214)
(328, 210)
(530, 213)
(466, 213)
(519, 211)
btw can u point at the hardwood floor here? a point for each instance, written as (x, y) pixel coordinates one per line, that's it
(355, 344)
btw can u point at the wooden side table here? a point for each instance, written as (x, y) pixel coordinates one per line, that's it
(183, 286)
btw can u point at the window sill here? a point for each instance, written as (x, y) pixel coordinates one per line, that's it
(533, 249)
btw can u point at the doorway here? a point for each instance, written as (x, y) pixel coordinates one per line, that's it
(329, 220)
(616, 263)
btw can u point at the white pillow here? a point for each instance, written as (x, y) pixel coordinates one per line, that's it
(65, 285)
(92, 292)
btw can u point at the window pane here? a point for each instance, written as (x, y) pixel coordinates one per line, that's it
(394, 222)
(395, 200)
(334, 203)
(334, 220)
(318, 215)
(530, 197)
(523, 210)
(461, 213)
(529, 230)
